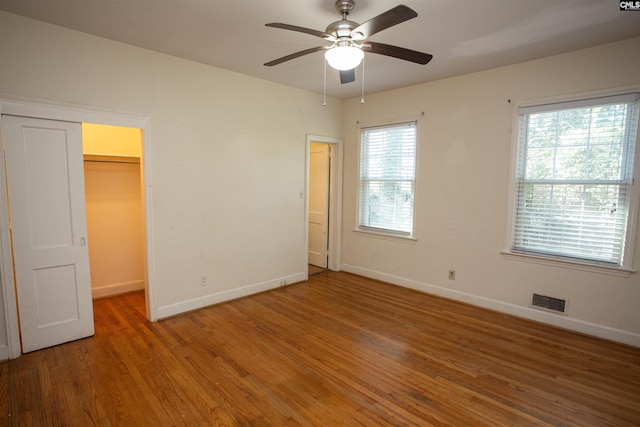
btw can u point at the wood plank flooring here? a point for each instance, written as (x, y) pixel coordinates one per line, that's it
(338, 350)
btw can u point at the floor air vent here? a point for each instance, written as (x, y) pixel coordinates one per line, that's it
(544, 302)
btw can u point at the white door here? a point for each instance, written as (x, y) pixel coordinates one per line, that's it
(318, 204)
(49, 230)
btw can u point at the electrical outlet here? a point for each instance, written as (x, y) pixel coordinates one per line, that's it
(452, 275)
(203, 280)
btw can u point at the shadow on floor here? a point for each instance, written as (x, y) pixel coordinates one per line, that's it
(316, 270)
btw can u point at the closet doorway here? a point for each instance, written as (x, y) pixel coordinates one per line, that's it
(77, 117)
(115, 208)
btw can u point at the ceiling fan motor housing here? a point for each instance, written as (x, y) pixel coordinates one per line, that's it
(341, 28)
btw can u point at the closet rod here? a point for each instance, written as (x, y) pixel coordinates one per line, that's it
(111, 161)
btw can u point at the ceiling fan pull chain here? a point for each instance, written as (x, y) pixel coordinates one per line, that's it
(362, 98)
(324, 89)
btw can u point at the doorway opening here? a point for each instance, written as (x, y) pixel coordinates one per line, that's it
(319, 206)
(324, 203)
(115, 208)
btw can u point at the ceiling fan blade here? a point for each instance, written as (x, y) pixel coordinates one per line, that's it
(398, 52)
(316, 33)
(347, 76)
(383, 21)
(296, 55)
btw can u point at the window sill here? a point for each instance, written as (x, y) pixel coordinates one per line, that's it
(385, 236)
(575, 265)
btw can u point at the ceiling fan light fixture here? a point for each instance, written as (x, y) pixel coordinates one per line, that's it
(344, 57)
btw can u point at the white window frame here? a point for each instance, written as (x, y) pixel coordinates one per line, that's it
(380, 232)
(634, 203)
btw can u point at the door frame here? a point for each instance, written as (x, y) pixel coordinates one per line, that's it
(335, 200)
(71, 114)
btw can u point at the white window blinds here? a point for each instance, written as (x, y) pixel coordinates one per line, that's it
(574, 175)
(387, 178)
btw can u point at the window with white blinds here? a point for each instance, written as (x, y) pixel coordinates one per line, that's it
(387, 178)
(574, 177)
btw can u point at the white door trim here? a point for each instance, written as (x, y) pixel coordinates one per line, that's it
(335, 200)
(72, 114)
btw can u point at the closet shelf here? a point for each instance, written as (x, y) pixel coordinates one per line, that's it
(111, 158)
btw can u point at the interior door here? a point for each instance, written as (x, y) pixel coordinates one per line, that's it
(319, 164)
(45, 184)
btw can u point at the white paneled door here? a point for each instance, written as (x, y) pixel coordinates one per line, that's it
(47, 212)
(318, 203)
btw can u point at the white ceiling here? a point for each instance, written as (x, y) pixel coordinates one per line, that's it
(463, 35)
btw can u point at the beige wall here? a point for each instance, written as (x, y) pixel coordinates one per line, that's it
(111, 140)
(461, 202)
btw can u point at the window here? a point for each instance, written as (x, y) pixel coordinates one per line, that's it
(387, 178)
(574, 178)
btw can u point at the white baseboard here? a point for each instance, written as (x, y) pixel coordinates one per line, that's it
(117, 288)
(564, 322)
(205, 301)
(4, 352)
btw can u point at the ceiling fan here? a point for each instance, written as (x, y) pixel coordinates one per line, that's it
(349, 40)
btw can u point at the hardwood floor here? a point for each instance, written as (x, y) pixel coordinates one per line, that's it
(338, 350)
